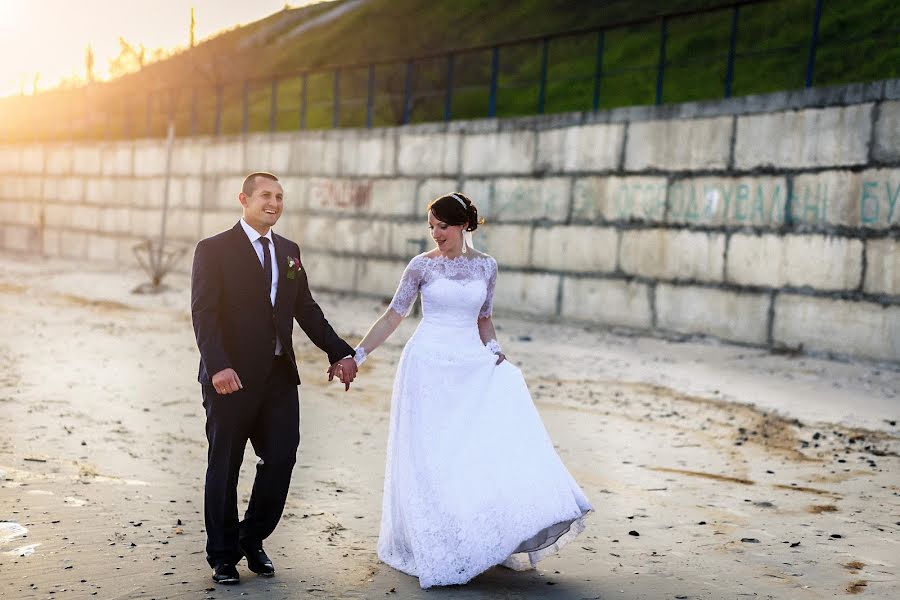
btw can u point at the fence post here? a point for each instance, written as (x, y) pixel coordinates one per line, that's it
(732, 47)
(273, 106)
(813, 43)
(148, 130)
(407, 93)
(245, 107)
(303, 101)
(661, 69)
(194, 111)
(448, 97)
(220, 93)
(495, 74)
(598, 70)
(542, 90)
(336, 113)
(370, 96)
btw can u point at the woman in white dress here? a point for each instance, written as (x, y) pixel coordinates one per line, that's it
(472, 479)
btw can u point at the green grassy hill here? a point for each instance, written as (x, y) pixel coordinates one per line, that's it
(859, 41)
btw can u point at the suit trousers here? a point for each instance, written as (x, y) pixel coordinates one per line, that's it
(269, 417)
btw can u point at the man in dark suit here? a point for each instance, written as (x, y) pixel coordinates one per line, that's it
(247, 286)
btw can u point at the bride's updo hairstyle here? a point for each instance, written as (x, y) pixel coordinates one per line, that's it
(456, 209)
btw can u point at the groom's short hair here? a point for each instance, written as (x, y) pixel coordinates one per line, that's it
(250, 181)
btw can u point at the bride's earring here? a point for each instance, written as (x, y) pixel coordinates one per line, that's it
(463, 242)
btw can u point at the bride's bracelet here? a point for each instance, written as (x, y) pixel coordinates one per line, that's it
(494, 346)
(359, 357)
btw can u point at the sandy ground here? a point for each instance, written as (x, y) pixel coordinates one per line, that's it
(716, 471)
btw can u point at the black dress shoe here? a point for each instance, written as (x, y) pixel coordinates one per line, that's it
(226, 573)
(258, 562)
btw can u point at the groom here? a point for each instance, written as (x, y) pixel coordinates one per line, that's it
(247, 284)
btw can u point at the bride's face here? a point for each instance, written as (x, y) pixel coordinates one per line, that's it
(447, 237)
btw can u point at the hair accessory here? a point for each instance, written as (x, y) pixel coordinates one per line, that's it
(460, 200)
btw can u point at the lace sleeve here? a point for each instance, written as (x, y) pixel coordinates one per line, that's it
(406, 293)
(488, 307)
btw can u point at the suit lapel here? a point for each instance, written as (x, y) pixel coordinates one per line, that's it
(249, 261)
(280, 245)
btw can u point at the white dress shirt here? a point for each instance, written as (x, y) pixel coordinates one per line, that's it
(254, 236)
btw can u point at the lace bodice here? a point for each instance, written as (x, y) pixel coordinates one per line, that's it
(454, 290)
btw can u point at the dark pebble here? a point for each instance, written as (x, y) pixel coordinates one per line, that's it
(634, 533)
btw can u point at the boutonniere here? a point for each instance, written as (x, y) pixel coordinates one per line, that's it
(293, 265)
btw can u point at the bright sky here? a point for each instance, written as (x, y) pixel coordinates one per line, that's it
(51, 36)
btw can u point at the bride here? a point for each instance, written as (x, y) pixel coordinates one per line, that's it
(472, 479)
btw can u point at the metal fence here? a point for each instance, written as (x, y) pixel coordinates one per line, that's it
(750, 46)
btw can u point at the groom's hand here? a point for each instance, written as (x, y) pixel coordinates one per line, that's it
(226, 381)
(345, 369)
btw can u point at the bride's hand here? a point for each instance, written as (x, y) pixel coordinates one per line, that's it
(500, 358)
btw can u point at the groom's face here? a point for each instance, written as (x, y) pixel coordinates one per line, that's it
(263, 207)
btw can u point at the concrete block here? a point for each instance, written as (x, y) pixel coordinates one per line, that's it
(102, 249)
(10, 159)
(149, 158)
(756, 201)
(527, 293)
(296, 193)
(814, 137)
(228, 190)
(183, 224)
(84, 217)
(32, 188)
(18, 238)
(732, 316)
(379, 277)
(187, 193)
(392, 197)
(265, 152)
(100, 191)
(580, 148)
(367, 154)
(73, 244)
(314, 153)
(20, 213)
(64, 189)
(320, 269)
(503, 153)
(481, 192)
(879, 192)
(86, 159)
(607, 302)
(575, 248)
(51, 243)
(340, 195)
(58, 160)
(672, 255)
(886, 146)
(225, 157)
(688, 144)
(510, 245)
(411, 238)
(213, 222)
(115, 220)
(370, 237)
(33, 159)
(526, 199)
(431, 189)
(57, 215)
(430, 154)
(862, 329)
(189, 156)
(146, 223)
(882, 267)
(117, 159)
(619, 199)
(817, 261)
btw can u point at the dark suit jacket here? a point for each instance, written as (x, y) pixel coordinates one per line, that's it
(234, 320)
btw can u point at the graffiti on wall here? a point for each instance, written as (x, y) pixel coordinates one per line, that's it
(332, 193)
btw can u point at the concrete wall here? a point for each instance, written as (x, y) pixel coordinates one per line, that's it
(770, 221)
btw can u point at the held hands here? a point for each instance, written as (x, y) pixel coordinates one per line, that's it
(345, 370)
(500, 358)
(226, 381)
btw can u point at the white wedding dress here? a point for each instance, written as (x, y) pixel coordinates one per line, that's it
(472, 479)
